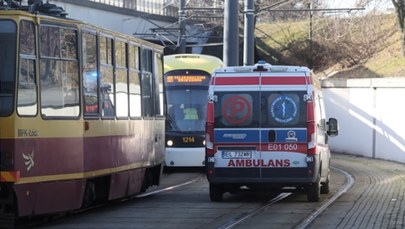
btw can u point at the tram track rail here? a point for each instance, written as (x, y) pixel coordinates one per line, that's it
(168, 188)
(346, 186)
(183, 202)
(241, 218)
(41, 221)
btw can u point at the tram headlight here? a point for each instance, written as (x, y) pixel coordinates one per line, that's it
(169, 143)
(204, 142)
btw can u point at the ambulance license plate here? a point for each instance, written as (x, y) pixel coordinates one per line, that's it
(236, 154)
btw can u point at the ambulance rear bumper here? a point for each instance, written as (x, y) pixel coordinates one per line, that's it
(277, 177)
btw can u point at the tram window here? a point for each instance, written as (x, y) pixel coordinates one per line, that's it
(8, 37)
(68, 43)
(27, 38)
(27, 88)
(121, 79)
(120, 54)
(135, 107)
(146, 60)
(49, 41)
(59, 78)
(59, 88)
(158, 72)
(27, 85)
(90, 75)
(121, 87)
(135, 101)
(106, 50)
(133, 57)
(106, 78)
(107, 91)
(146, 68)
(147, 103)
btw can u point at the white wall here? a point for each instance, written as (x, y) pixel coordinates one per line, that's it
(371, 115)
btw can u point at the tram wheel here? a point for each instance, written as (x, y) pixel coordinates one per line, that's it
(8, 207)
(89, 194)
(216, 193)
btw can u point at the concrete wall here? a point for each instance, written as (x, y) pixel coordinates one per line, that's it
(371, 115)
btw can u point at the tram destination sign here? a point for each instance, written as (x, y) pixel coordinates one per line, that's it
(187, 79)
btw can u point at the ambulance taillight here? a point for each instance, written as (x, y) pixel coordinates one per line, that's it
(209, 143)
(210, 112)
(311, 129)
(209, 130)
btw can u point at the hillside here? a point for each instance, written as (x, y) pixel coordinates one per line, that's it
(358, 47)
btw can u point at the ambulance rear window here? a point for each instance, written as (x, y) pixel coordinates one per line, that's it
(284, 109)
(237, 110)
(268, 109)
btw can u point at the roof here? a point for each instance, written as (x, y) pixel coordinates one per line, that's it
(191, 62)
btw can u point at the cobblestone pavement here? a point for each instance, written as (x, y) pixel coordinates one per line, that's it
(377, 199)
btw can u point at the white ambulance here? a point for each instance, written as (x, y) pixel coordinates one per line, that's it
(265, 129)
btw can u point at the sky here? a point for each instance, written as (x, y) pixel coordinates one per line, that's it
(381, 4)
(343, 3)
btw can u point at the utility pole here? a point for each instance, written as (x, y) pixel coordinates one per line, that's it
(310, 35)
(248, 42)
(182, 27)
(231, 33)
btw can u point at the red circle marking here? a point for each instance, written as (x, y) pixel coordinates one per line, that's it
(239, 105)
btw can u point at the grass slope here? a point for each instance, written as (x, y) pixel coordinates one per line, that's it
(360, 47)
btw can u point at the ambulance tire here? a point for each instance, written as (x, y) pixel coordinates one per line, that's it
(314, 192)
(325, 188)
(216, 193)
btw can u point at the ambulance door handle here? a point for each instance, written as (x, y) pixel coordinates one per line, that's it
(272, 135)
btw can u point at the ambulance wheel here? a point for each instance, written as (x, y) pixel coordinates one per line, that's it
(314, 192)
(216, 193)
(325, 188)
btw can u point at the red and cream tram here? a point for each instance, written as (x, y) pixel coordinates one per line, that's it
(81, 113)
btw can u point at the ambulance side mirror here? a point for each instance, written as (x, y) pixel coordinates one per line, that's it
(333, 127)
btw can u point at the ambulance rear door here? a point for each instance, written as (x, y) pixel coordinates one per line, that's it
(237, 126)
(283, 126)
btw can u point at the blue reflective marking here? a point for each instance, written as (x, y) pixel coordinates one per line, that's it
(252, 136)
(236, 135)
(286, 135)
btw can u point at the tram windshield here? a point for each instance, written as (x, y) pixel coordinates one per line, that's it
(186, 108)
(8, 38)
(186, 98)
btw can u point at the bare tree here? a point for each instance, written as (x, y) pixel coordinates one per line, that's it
(400, 10)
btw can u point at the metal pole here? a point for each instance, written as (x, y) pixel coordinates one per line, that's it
(248, 42)
(310, 35)
(182, 27)
(231, 33)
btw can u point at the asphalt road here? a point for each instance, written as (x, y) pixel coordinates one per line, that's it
(376, 200)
